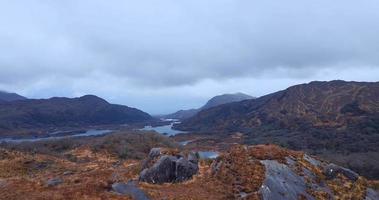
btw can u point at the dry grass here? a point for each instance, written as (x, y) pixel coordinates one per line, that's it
(238, 171)
(272, 152)
(89, 180)
(344, 189)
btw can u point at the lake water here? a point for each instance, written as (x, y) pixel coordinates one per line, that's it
(165, 130)
(184, 143)
(83, 134)
(208, 154)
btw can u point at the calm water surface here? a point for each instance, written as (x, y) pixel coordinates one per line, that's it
(208, 154)
(165, 130)
(84, 134)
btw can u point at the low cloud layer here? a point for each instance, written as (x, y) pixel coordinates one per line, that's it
(164, 55)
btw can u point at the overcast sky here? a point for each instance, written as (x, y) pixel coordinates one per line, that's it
(161, 56)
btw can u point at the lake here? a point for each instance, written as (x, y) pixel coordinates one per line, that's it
(184, 143)
(208, 154)
(87, 133)
(164, 130)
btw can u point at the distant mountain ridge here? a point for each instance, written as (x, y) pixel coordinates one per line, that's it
(213, 102)
(6, 97)
(62, 112)
(224, 99)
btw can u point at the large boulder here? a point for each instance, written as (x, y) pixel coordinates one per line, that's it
(163, 171)
(163, 166)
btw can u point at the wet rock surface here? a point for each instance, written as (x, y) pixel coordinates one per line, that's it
(304, 177)
(54, 182)
(168, 167)
(3, 183)
(282, 182)
(311, 160)
(372, 194)
(130, 189)
(289, 175)
(67, 173)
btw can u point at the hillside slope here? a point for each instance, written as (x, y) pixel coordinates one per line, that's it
(5, 96)
(334, 104)
(58, 112)
(336, 120)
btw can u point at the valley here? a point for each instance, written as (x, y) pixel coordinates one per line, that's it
(189, 100)
(61, 146)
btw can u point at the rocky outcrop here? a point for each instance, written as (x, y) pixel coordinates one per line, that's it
(372, 194)
(269, 172)
(163, 166)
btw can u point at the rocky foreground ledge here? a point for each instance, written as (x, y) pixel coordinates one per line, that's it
(255, 172)
(244, 172)
(270, 172)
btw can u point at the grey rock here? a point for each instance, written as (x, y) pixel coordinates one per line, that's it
(282, 183)
(168, 168)
(290, 161)
(193, 157)
(371, 194)
(3, 183)
(243, 195)
(129, 189)
(54, 182)
(311, 160)
(66, 173)
(185, 169)
(331, 171)
(163, 171)
(154, 152)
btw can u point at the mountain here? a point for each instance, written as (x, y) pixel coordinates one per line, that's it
(213, 102)
(335, 104)
(62, 112)
(336, 120)
(224, 99)
(5, 96)
(182, 114)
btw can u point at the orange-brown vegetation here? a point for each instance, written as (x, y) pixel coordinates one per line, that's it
(271, 152)
(236, 173)
(25, 175)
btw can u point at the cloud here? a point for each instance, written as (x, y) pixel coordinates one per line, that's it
(68, 47)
